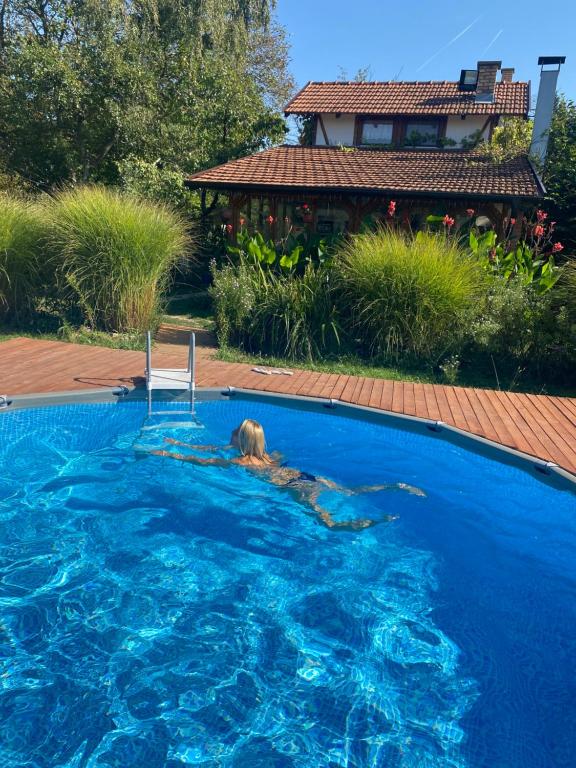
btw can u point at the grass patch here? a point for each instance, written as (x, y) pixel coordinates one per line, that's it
(127, 341)
(192, 309)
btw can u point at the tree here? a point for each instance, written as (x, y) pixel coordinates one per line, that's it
(83, 86)
(511, 138)
(560, 172)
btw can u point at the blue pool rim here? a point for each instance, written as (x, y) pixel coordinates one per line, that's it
(546, 471)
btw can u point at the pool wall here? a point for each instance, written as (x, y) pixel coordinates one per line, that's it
(547, 471)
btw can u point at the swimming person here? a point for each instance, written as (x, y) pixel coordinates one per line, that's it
(249, 440)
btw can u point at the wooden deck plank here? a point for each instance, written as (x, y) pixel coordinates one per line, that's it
(540, 425)
(532, 419)
(398, 397)
(472, 422)
(431, 402)
(387, 395)
(420, 402)
(409, 401)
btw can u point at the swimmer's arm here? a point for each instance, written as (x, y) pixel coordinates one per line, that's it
(206, 448)
(193, 459)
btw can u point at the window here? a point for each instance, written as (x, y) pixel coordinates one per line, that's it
(376, 133)
(422, 134)
(468, 79)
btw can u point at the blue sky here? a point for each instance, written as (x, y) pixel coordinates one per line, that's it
(428, 41)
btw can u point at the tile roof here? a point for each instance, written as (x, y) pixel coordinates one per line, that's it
(418, 98)
(420, 172)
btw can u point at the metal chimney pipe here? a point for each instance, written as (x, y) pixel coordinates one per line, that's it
(545, 105)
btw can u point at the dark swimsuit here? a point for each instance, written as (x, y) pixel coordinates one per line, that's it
(303, 477)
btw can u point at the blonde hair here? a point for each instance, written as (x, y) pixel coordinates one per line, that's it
(251, 440)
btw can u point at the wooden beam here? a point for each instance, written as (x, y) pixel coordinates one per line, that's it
(323, 129)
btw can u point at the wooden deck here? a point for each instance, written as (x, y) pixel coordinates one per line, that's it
(541, 425)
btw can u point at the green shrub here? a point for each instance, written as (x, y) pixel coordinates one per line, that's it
(233, 291)
(407, 297)
(295, 316)
(522, 331)
(275, 313)
(20, 247)
(115, 254)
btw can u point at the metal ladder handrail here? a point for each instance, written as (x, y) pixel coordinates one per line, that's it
(191, 369)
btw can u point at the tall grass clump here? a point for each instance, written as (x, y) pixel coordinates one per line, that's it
(295, 315)
(20, 247)
(407, 297)
(115, 254)
(278, 313)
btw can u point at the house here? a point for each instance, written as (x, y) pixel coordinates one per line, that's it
(370, 143)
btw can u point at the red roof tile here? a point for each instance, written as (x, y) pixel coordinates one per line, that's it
(420, 172)
(419, 98)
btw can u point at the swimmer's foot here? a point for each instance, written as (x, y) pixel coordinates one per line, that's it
(358, 525)
(412, 489)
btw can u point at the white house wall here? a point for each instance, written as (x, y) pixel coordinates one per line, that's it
(340, 130)
(458, 129)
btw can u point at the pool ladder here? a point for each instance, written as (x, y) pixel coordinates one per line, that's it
(171, 378)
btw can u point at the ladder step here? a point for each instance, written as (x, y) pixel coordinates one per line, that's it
(172, 413)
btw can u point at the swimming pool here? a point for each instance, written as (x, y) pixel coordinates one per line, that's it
(159, 614)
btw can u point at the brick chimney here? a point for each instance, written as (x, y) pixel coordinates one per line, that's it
(487, 80)
(506, 74)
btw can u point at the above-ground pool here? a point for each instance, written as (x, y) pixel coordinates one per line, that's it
(156, 613)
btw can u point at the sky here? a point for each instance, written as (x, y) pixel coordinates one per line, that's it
(428, 41)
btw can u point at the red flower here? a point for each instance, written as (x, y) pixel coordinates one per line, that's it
(391, 208)
(448, 221)
(229, 228)
(541, 216)
(242, 222)
(538, 230)
(470, 212)
(557, 247)
(305, 206)
(270, 219)
(512, 222)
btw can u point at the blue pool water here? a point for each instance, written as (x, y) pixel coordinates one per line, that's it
(156, 614)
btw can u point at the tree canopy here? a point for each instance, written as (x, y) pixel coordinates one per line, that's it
(85, 85)
(560, 171)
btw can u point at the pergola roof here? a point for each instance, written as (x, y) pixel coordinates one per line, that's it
(421, 173)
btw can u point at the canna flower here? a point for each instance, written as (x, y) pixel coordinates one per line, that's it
(557, 247)
(242, 222)
(391, 208)
(541, 216)
(512, 222)
(538, 230)
(470, 212)
(229, 228)
(270, 219)
(448, 221)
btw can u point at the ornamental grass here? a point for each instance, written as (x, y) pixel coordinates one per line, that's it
(406, 297)
(21, 233)
(115, 255)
